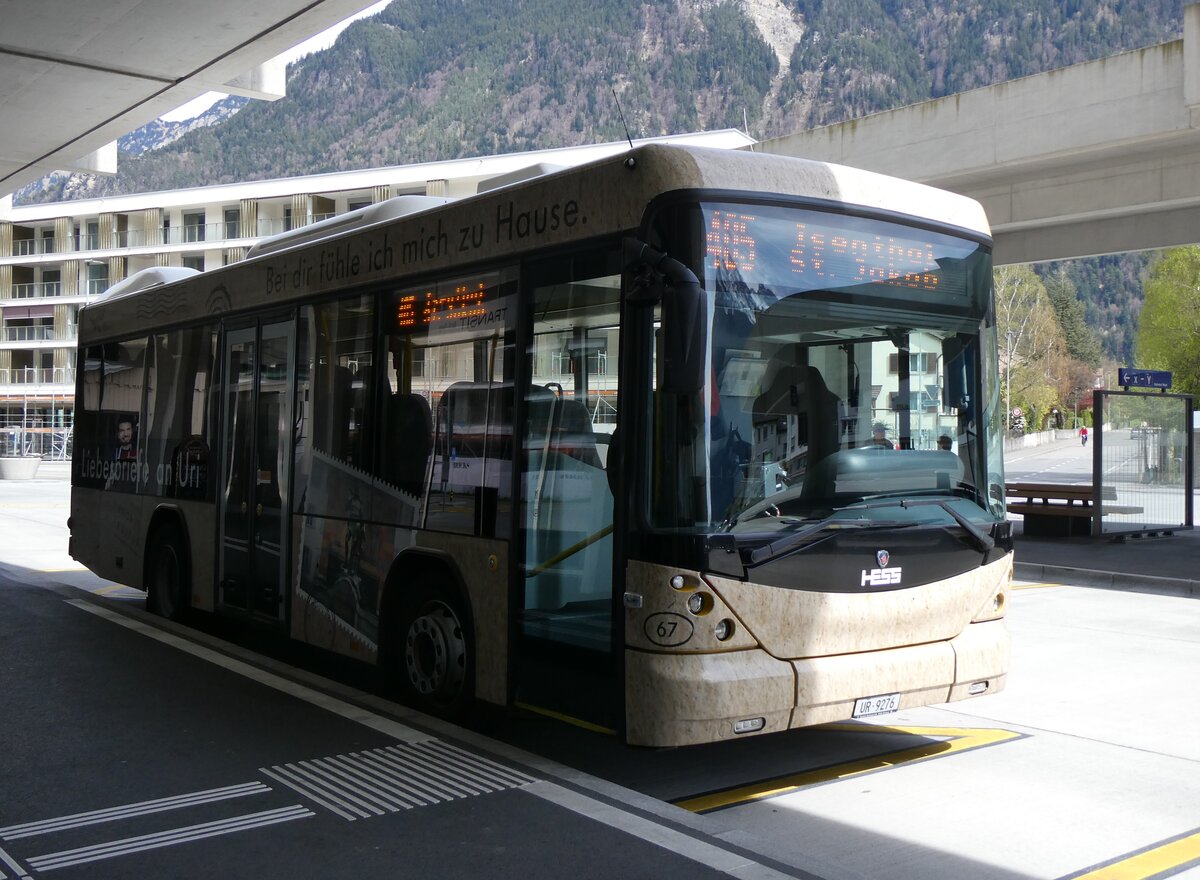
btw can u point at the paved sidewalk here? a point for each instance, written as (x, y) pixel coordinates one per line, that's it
(1164, 563)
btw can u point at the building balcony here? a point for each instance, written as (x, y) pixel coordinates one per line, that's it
(40, 337)
(37, 382)
(215, 235)
(36, 290)
(32, 247)
(26, 334)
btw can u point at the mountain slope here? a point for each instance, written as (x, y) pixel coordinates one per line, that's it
(444, 79)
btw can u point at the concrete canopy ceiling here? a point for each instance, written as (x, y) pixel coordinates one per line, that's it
(75, 76)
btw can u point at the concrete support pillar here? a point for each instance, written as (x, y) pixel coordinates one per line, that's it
(108, 231)
(6, 281)
(116, 270)
(248, 218)
(437, 187)
(152, 227)
(62, 325)
(301, 210)
(6, 239)
(380, 194)
(1191, 61)
(70, 277)
(64, 235)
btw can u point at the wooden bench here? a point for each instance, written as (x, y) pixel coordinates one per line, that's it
(1059, 509)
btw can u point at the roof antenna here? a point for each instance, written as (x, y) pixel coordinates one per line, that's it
(630, 162)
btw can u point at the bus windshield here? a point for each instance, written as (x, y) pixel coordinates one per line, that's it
(850, 366)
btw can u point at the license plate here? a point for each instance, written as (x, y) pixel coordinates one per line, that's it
(884, 704)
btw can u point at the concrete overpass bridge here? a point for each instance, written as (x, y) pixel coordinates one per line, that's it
(1101, 157)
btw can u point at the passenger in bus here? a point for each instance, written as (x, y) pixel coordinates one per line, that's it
(879, 438)
(945, 443)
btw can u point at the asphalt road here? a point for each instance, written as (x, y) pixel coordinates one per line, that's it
(130, 748)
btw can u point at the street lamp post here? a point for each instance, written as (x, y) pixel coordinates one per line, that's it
(1007, 380)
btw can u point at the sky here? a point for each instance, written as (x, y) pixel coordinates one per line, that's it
(321, 41)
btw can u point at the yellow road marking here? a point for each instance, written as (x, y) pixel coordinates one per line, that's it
(104, 591)
(1170, 856)
(569, 719)
(1034, 586)
(958, 739)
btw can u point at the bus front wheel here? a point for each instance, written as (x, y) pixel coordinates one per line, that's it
(167, 593)
(432, 655)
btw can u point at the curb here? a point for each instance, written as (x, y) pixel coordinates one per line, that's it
(1108, 580)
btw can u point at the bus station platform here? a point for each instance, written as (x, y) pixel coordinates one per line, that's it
(1158, 563)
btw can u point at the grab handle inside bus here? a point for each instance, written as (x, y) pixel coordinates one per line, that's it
(685, 318)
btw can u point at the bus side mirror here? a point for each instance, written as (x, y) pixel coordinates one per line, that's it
(662, 279)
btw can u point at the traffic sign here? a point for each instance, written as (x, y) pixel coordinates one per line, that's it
(1128, 377)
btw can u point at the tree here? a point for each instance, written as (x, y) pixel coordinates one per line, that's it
(1032, 348)
(1168, 336)
(1082, 344)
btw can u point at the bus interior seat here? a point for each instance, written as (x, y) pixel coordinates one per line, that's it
(409, 441)
(574, 434)
(799, 390)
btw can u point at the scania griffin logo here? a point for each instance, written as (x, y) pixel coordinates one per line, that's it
(882, 576)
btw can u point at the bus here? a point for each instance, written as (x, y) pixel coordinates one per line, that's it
(684, 444)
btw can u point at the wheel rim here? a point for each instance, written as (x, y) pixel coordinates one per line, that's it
(435, 652)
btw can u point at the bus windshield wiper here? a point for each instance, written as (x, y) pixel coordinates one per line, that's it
(982, 539)
(792, 540)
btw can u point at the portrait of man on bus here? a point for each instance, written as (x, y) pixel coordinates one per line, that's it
(126, 439)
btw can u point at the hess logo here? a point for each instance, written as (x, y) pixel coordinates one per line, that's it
(883, 575)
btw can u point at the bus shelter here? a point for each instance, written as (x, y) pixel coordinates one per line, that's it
(1142, 462)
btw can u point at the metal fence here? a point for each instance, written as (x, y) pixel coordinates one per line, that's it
(49, 443)
(1142, 462)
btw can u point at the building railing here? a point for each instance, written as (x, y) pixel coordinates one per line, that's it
(31, 247)
(36, 290)
(203, 233)
(38, 376)
(27, 334)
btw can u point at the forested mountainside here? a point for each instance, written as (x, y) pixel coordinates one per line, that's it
(444, 79)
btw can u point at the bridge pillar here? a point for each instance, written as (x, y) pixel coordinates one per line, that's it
(1191, 61)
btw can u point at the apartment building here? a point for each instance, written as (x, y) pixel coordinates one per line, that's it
(56, 257)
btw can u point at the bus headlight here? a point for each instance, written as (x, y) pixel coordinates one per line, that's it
(723, 630)
(700, 603)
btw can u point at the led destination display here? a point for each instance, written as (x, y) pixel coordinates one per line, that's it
(806, 250)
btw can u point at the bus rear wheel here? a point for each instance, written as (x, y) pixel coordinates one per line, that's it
(432, 657)
(167, 592)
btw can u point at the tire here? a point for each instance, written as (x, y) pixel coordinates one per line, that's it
(168, 578)
(431, 656)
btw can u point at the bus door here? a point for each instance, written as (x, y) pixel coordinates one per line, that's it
(565, 645)
(255, 468)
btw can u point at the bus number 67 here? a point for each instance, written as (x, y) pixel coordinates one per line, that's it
(668, 629)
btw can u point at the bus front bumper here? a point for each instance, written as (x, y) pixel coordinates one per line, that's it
(682, 699)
